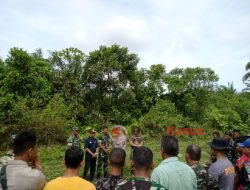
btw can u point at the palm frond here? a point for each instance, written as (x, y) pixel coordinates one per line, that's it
(246, 76)
(248, 66)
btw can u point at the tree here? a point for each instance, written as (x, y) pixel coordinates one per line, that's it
(160, 116)
(226, 110)
(109, 76)
(229, 88)
(68, 68)
(2, 71)
(155, 84)
(246, 77)
(24, 76)
(189, 88)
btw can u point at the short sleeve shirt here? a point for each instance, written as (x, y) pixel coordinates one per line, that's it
(223, 171)
(173, 174)
(22, 177)
(69, 183)
(91, 144)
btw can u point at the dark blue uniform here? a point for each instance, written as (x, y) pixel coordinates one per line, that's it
(90, 162)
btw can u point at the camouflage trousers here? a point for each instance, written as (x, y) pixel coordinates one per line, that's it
(102, 164)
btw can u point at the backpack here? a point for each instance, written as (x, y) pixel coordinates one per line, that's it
(3, 178)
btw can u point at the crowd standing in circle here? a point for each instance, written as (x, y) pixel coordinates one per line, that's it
(227, 169)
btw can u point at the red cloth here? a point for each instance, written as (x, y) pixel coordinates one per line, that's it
(241, 160)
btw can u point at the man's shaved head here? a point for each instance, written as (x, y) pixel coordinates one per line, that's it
(117, 157)
(194, 152)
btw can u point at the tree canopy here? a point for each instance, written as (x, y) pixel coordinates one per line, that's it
(105, 86)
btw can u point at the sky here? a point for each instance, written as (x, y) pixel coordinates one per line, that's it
(176, 33)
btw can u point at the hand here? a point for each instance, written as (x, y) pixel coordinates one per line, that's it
(37, 163)
(107, 150)
(94, 155)
(31, 164)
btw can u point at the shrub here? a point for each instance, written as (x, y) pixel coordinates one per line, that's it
(163, 114)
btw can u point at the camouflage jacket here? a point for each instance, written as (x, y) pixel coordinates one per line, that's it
(109, 183)
(232, 154)
(106, 141)
(205, 180)
(74, 141)
(139, 184)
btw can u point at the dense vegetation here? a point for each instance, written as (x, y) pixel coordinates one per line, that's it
(104, 87)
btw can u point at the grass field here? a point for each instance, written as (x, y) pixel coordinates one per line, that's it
(52, 156)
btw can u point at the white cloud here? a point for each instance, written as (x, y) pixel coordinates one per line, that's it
(179, 33)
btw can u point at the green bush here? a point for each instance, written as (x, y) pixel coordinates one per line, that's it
(163, 114)
(50, 123)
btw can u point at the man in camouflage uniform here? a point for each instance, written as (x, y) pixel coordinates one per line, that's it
(231, 153)
(236, 136)
(9, 155)
(142, 165)
(205, 180)
(104, 142)
(117, 159)
(74, 139)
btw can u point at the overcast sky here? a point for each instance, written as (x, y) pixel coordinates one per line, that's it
(176, 33)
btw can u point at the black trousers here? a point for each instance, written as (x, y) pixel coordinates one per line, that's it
(89, 164)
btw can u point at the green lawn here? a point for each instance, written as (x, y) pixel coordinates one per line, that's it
(52, 156)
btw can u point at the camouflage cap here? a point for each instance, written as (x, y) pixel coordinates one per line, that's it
(75, 128)
(91, 131)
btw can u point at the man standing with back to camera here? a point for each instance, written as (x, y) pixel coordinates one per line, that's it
(171, 173)
(222, 170)
(24, 172)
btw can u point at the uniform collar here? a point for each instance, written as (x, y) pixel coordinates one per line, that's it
(115, 176)
(140, 179)
(17, 162)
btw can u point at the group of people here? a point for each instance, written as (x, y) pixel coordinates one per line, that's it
(97, 150)
(228, 168)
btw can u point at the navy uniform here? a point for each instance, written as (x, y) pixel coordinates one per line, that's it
(90, 161)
